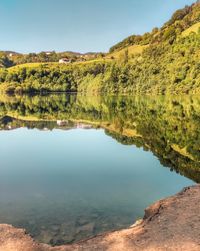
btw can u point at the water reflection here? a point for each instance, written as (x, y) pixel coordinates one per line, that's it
(95, 163)
(167, 126)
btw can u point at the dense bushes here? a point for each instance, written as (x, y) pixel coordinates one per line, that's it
(48, 78)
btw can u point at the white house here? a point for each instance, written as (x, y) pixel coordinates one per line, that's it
(61, 122)
(64, 61)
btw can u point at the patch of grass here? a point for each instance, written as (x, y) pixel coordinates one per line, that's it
(193, 28)
(132, 50)
(29, 65)
(98, 60)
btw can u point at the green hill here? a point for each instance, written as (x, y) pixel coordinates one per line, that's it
(166, 60)
(182, 20)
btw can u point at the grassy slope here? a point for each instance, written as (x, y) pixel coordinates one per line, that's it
(132, 50)
(193, 28)
(28, 65)
(53, 64)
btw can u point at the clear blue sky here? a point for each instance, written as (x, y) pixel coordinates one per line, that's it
(78, 25)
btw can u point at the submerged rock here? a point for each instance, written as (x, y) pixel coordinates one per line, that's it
(169, 224)
(86, 228)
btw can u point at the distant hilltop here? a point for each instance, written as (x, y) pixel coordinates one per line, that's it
(11, 58)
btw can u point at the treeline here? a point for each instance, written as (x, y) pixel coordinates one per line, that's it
(47, 78)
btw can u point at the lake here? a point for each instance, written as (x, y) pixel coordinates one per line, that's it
(76, 166)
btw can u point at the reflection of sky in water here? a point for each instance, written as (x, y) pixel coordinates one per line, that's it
(77, 173)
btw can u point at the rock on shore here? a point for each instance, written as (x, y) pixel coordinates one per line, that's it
(169, 224)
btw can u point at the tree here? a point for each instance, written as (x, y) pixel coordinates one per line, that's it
(5, 61)
(124, 56)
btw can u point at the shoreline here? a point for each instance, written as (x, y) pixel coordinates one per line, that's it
(172, 223)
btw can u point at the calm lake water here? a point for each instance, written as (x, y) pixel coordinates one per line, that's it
(73, 167)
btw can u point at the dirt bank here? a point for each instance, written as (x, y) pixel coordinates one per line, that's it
(169, 224)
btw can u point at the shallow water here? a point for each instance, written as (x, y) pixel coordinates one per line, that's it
(66, 185)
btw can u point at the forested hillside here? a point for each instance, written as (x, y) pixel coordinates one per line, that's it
(167, 60)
